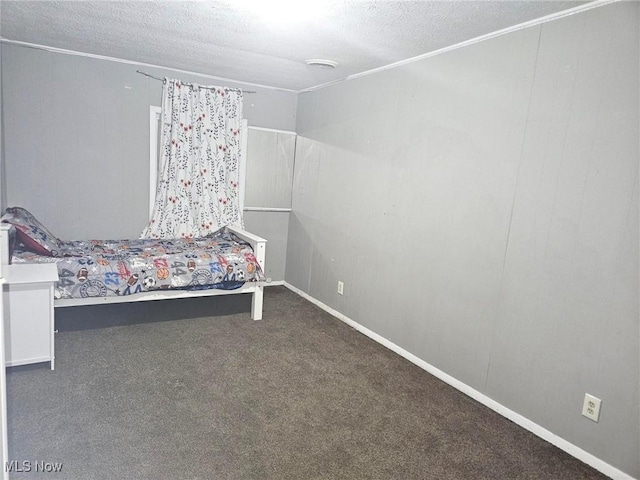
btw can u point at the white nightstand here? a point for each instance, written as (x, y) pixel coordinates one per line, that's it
(28, 313)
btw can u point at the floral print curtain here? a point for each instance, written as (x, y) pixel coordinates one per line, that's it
(198, 179)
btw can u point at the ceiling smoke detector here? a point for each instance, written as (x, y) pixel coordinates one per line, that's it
(321, 63)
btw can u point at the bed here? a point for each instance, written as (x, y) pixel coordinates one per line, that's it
(229, 261)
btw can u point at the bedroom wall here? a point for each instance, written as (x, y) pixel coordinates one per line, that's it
(481, 207)
(77, 142)
(3, 193)
(269, 176)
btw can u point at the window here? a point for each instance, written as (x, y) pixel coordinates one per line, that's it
(154, 156)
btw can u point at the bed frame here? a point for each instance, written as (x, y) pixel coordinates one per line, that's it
(255, 288)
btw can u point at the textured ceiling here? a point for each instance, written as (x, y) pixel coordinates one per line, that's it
(233, 40)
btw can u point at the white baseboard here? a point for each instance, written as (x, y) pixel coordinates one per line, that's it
(276, 283)
(520, 420)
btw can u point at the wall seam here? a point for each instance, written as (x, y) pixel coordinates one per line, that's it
(513, 203)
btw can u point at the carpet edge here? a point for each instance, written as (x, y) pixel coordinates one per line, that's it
(515, 417)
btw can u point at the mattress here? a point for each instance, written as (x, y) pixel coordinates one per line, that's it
(104, 268)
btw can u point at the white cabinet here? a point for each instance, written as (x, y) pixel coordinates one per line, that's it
(28, 313)
(4, 446)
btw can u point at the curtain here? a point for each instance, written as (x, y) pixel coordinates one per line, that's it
(198, 178)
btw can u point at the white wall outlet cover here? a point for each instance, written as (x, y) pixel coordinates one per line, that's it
(591, 407)
(340, 288)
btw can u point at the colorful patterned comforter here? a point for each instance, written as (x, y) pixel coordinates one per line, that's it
(98, 268)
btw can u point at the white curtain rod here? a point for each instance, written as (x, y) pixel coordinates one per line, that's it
(191, 84)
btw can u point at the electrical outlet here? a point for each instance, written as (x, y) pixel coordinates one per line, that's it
(591, 407)
(340, 288)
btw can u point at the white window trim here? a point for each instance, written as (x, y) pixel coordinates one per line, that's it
(154, 121)
(276, 130)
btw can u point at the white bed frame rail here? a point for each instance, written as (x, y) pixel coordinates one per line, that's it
(259, 246)
(255, 288)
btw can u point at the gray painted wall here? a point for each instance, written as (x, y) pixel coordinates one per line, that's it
(481, 207)
(269, 168)
(273, 226)
(270, 162)
(3, 192)
(77, 138)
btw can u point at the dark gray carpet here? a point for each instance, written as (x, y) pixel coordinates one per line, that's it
(145, 392)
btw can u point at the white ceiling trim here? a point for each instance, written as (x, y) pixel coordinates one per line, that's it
(133, 62)
(482, 38)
